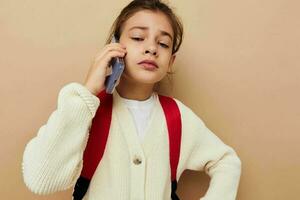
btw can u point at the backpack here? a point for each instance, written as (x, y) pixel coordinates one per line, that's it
(99, 133)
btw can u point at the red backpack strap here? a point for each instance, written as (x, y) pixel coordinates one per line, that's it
(173, 119)
(96, 144)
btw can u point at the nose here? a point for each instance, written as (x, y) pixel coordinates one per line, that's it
(151, 49)
(151, 52)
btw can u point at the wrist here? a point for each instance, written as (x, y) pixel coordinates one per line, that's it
(91, 89)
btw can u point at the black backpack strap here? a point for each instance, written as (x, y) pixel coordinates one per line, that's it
(174, 188)
(80, 188)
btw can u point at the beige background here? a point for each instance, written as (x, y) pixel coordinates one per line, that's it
(238, 69)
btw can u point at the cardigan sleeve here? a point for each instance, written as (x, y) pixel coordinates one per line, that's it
(52, 160)
(208, 153)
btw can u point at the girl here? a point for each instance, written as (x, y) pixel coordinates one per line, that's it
(135, 164)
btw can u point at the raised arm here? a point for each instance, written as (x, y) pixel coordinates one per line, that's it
(52, 160)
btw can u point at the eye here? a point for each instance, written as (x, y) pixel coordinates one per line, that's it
(164, 45)
(137, 38)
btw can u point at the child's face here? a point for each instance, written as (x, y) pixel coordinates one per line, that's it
(152, 42)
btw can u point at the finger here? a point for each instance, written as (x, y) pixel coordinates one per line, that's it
(114, 48)
(116, 44)
(108, 71)
(112, 54)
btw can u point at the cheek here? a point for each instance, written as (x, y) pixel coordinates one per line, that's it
(131, 55)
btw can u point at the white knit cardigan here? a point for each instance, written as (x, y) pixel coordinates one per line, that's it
(52, 160)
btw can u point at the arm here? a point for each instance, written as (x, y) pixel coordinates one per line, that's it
(222, 165)
(52, 161)
(208, 153)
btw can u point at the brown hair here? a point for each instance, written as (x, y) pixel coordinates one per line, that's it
(153, 5)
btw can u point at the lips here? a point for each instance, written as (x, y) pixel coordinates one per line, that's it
(149, 63)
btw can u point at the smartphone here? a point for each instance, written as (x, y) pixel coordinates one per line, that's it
(117, 65)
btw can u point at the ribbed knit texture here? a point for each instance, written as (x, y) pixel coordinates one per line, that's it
(52, 160)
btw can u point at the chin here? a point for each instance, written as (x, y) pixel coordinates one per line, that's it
(145, 80)
(143, 76)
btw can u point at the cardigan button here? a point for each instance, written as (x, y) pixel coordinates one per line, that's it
(137, 161)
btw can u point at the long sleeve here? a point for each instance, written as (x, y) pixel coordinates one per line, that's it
(52, 160)
(211, 155)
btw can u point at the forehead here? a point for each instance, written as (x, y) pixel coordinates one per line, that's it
(154, 20)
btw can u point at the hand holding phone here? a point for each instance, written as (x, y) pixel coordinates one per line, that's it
(117, 67)
(97, 77)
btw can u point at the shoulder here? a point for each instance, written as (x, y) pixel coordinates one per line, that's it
(182, 106)
(188, 116)
(185, 109)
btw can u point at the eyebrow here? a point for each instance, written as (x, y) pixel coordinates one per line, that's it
(146, 28)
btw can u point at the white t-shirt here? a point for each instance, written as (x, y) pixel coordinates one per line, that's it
(141, 112)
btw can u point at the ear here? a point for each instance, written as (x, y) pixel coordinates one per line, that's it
(172, 59)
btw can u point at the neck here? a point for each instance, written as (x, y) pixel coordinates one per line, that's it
(132, 90)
